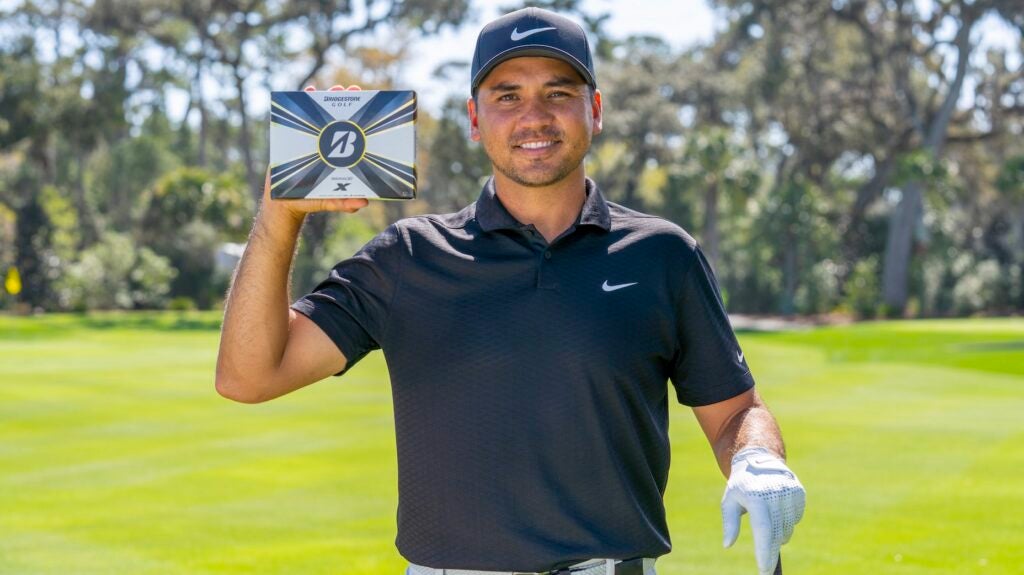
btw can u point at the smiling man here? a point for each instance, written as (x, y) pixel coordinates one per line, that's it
(530, 339)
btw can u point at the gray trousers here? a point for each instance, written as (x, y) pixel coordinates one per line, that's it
(591, 567)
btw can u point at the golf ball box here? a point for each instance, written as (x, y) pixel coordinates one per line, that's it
(343, 144)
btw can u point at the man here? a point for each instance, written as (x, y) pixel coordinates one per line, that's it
(530, 338)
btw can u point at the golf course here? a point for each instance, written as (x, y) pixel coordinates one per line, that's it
(118, 456)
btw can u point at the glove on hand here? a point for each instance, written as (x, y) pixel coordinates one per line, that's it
(760, 483)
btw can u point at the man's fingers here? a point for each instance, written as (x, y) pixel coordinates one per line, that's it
(349, 205)
(731, 513)
(766, 548)
(334, 88)
(793, 513)
(772, 565)
(353, 205)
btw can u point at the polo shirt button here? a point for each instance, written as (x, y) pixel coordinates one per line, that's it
(547, 255)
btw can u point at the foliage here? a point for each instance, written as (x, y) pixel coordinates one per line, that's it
(35, 260)
(119, 175)
(457, 167)
(66, 236)
(805, 146)
(862, 294)
(186, 194)
(115, 274)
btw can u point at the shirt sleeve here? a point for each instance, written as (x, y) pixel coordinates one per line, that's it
(352, 305)
(709, 365)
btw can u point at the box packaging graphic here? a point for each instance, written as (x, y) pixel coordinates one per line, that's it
(343, 144)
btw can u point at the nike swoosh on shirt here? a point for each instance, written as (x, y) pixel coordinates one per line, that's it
(517, 35)
(607, 287)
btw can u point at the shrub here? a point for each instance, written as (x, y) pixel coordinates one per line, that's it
(863, 293)
(114, 274)
(181, 303)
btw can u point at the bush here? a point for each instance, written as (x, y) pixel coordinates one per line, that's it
(182, 303)
(193, 252)
(819, 290)
(190, 213)
(863, 293)
(982, 286)
(188, 195)
(113, 274)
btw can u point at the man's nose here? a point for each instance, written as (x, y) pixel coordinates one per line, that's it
(536, 112)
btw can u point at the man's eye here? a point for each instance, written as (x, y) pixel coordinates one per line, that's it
(507, 97)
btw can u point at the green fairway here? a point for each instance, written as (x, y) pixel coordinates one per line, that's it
(118, 456)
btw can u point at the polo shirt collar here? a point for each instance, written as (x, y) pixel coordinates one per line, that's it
(492, 215)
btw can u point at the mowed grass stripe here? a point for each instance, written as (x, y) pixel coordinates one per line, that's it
(117, 456)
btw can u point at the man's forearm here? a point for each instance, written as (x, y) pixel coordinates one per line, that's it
(750, 427)
(255, 329)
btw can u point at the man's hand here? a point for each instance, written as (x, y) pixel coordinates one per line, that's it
(761, 484)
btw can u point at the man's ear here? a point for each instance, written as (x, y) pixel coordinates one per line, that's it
(597, 112)
(474, 127)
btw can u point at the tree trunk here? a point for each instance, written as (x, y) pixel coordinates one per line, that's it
(789, 274)
(314, 235)
(246, 138)
(898, 246)
(1020, 255)
(33, 235)
(907, 214)
(710, 233)
(203, 121)
(394, 210)
(87, 220)
(630, 197)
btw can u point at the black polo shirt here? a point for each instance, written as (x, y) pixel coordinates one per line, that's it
(530, 380)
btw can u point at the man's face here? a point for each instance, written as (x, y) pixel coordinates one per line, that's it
(535, 117)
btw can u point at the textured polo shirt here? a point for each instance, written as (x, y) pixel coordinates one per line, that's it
(530, 380)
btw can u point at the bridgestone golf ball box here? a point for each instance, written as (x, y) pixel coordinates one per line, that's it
(343, 144)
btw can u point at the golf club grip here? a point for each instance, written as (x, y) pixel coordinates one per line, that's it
(778, 566)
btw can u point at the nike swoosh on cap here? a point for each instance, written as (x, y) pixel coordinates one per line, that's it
(517, 35)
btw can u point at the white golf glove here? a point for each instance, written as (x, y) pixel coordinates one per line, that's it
(761, 484)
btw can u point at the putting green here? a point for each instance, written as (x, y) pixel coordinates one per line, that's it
(117, 455)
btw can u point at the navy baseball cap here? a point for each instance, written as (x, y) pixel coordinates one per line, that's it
(532, 32)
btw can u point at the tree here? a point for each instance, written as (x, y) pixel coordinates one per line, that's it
(642, 94)
(116, 274)
(458, 166)
(33, 234)
(190, 213)
(226, 36)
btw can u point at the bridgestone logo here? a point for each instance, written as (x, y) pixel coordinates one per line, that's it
(343, 145)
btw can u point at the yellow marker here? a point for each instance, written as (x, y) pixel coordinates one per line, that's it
(13, 281)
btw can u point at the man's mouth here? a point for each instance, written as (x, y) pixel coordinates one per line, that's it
(537, 144)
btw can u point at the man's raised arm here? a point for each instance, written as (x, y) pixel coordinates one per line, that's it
(266, 348)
